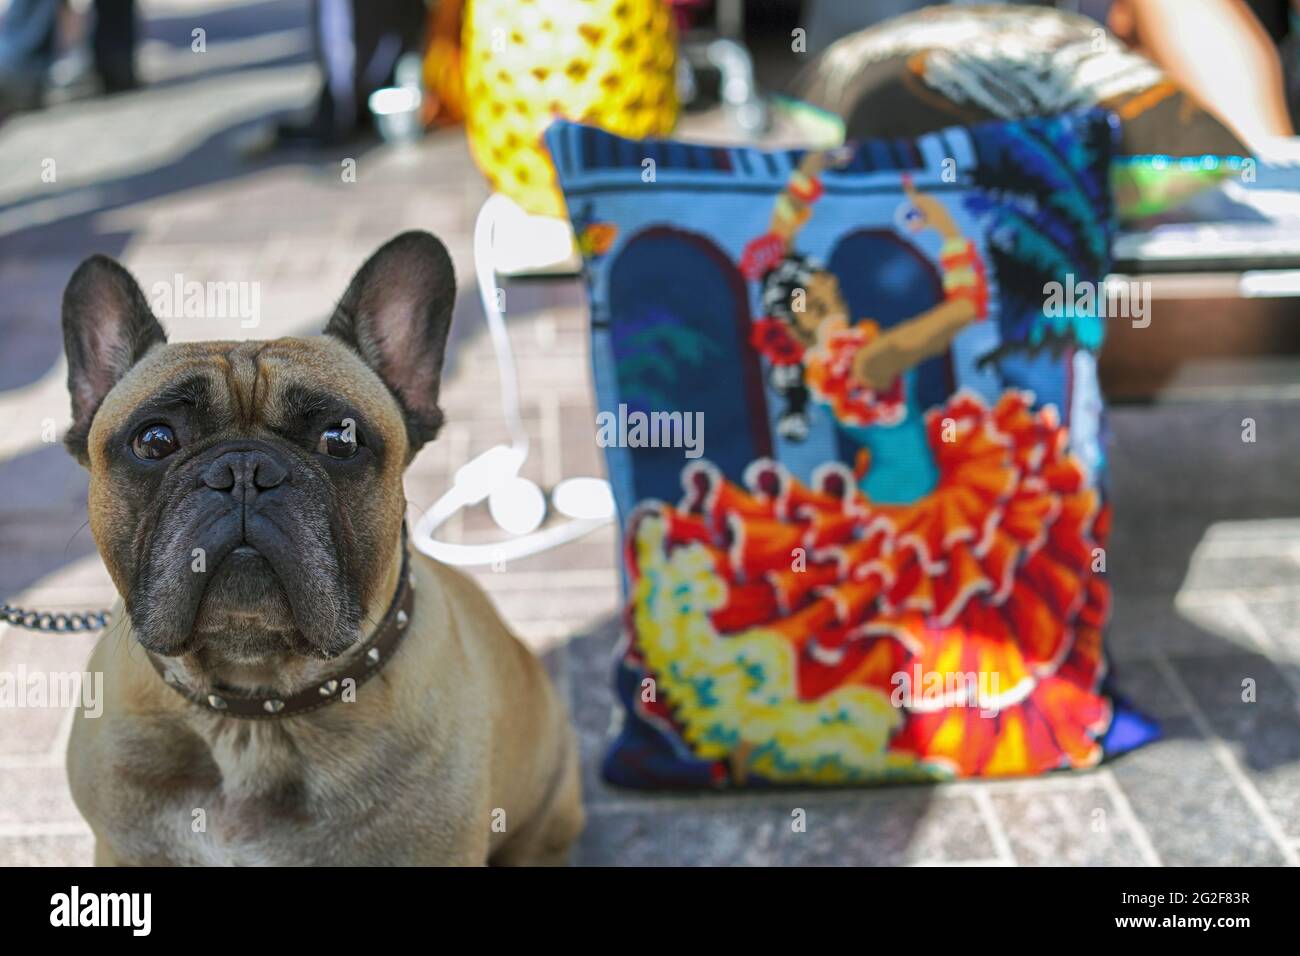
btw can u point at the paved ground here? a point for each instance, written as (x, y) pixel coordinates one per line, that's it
(1206, 556)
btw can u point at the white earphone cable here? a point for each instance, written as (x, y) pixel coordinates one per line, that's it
(479, 478)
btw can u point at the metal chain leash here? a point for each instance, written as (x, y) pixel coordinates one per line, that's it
(54, 622)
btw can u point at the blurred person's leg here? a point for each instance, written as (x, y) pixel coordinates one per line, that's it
(113, 44)
(357, 45)
(1289, 50)
(386, 30)
(27, 31)
(1218, 52)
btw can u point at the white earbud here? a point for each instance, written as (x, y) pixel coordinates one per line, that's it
(516, 504)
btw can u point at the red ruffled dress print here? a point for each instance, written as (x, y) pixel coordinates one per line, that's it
(991, 573)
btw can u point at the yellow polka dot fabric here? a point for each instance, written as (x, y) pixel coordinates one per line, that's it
(609, 63)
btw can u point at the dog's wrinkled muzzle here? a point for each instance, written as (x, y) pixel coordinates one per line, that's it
(244, 530)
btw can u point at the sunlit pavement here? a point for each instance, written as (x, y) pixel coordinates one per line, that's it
(1205, 559)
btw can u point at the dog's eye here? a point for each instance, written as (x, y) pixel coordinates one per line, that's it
(338, 442)
(154, 442)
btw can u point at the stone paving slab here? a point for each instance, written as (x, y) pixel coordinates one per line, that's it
(1194, 812)
(871, 828)
(1075, 826)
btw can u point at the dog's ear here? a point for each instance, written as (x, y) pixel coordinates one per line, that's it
(107, 328)
(396, 314)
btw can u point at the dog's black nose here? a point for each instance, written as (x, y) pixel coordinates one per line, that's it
(244, 473)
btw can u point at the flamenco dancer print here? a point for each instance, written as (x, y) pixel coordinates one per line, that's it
(775, 616)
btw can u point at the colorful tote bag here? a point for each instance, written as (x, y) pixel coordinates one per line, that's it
(857, 449)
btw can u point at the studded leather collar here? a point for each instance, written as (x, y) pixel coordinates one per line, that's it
(373, 655)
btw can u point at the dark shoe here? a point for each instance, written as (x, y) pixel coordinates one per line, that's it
(20, 90)
(323, 129)
(119, 78)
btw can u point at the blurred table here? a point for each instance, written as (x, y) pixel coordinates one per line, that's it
(1224, 274)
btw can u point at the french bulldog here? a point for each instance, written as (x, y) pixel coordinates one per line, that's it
(247, 500)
